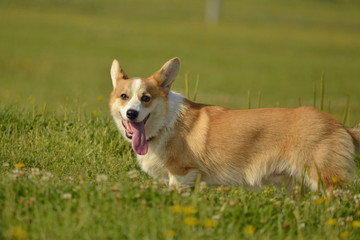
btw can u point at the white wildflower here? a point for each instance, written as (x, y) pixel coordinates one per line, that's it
(301, 225)
(337, 192)
(357, 198)
(289, 201)
(292, 202)
(341, 222)
(349, 219)
(17, 173)
(6, 164)
(46, 175)
(202, 186)
(101, 178)
(35, 172)
(186, 194)
(68, 179)
(331, 209)
(132, 174)
(216, 217)
(67, 196)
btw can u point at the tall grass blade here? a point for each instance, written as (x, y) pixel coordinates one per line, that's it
(329, 107)
(299, 101)
(259, 100)
(249, 99)
(15, 132)
(322, 90)
(66, 109)
(320, 182)
(187, 91)
(346, 110)
(303, 173)
(196, 189)
(293, 187)
(196, 87)
(314, 96)
(44, 108)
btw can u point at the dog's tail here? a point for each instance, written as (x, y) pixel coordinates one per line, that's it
(355, 133)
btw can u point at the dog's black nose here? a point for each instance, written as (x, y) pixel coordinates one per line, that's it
(132, 114)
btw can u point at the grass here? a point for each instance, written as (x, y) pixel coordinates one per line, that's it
(51, 50)
(71, 176)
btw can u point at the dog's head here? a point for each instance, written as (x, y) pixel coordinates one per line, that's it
(137, 104)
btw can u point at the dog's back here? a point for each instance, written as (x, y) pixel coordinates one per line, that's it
(249, 147)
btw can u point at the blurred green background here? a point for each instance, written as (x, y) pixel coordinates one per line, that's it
(53, 50)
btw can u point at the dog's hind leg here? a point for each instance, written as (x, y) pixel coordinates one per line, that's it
(355, 133)
(333, 163)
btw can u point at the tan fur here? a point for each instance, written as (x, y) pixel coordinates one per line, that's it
(241, 147)
(249, 146)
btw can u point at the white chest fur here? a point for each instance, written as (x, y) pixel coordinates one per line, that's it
(155, 160)
(153, 163)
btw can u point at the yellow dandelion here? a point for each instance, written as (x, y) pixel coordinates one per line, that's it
(209, 223)
(95, 113)
(249, 230)
(190, 221)
(17, 232)
(331, 222)
(356, 224)
(344, 235)
(177, 209)
(334, 179)
(319, 201)
(100, 98)
(189, 210)
(170, 233)
(19, 165)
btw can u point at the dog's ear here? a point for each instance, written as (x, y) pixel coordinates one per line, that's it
(168, 73)
(117, 73)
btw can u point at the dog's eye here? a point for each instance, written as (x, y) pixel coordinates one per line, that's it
(145, 98)
(124, 96)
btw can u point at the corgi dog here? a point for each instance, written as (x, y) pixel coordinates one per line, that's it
(178, 139)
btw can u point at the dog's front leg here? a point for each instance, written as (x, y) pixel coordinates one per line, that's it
(187, 180)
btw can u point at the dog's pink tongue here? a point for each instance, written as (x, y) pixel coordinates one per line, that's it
(138, 142)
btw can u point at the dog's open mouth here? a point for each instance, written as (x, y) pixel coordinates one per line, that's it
(136, 132)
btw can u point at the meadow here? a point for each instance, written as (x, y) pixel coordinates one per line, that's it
(75, 178)
(51, 50)
(65, 172)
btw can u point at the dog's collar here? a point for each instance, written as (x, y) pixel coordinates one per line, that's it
(148, 140)
(151, 138)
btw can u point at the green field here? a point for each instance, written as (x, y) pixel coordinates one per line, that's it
(51, 50)
(65, 172)
(75, 178)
